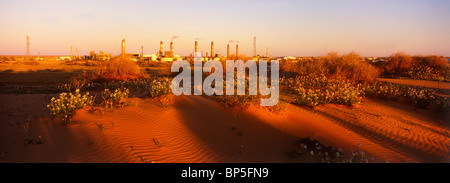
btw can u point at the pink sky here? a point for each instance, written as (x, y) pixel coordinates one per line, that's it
(287, 28)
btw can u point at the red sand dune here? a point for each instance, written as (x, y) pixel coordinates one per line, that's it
(197, 129)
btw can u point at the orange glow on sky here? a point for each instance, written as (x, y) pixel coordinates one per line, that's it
(286, 27)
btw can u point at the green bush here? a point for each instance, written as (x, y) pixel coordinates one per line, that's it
(341, 92)
(116, 98)
(67, 104)
(159, 87)
(313, 151)
(310, 98)
(438, 63)
(420, 97)
(316, 90)
(422, 72)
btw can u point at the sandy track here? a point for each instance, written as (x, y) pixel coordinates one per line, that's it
(421, 83)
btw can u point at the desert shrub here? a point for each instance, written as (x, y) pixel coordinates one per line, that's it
(304, 67)
(332, 63)
(443, 103)
(438, 63)
(158, 87)
(240, 102)
(420, 97)
(164, 100)
(352, 68)
(423, 72)
(289, 66)
(116, 98)
(119, 69)
(140, 84)
(399, 64)
(315, 90)
(342, 92)
(419, 67)
(308, 97)
(430, 68)
(348, 66)
(78, 80)
(313, 151)
(309, 81)
(67, 104)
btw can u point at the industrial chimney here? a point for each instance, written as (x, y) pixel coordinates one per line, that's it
(237, 51)
(161, 48)
(28, 47)
(142, 53)
(171, 46)
(123, 47)
(254, 46)
(228, 50)
(212, 49)
(196, 46)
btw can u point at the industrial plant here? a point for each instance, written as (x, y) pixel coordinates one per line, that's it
(169, 56)
(159, 56)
